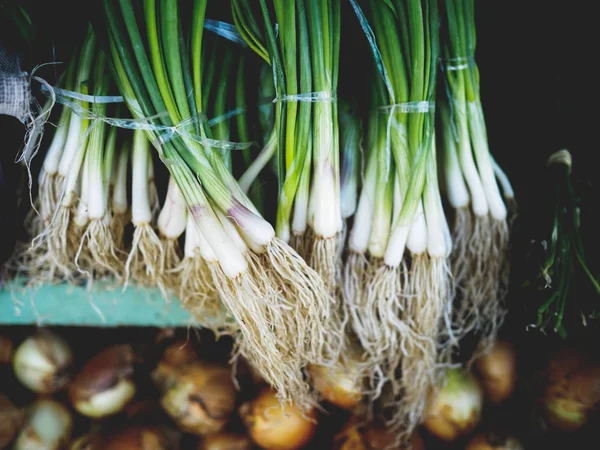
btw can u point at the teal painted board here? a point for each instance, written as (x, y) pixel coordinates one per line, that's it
(65, 304)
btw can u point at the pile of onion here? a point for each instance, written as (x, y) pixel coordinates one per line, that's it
(48, 426)
(42, 362)
(360, 435)
(490, 441)
(6, 349)
(497, 372)
(105, 383)
(455, 409)
(225, 441)
(129, 438)
(175, 356)
(572, 389)
(11, 419)
(341, 384)
(200, 397)
(275, 427)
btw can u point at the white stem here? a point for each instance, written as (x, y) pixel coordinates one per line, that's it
(230, 258)
(323, 200)
(396, 245)
(486, 171)
(173, 216)
(507, 188)
(361, 229)
(467, 164)
(447, 232)
(192, 241)
(231, 231)
(97, 195)
(418, 236)
(206, 250)
(72, 177)
(82, 214)
(259, 163)
(349, 198)
(140, 202)
(119, 197)
(252, 227)
(72, 144)
(55, 151)
(380, 233)
(300, 219)
(456, 188)
(301, 211)
(436, 239)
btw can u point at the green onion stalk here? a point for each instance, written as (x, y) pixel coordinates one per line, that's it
(350, 143)
(304, 59)
(305, 129)
(265, 286)
(473, 185)
(564, 257)
(192, 274)
(121, 212)
(98, 254)
(34, 261)
(47, 180)
(145, 260)
(58, 242)
(249, 180)
(405, 295)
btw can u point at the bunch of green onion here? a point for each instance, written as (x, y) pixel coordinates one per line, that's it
(397, 278)
(279, 304)
(77, 226)
(361, 251)
(473, 184)
(304, 60)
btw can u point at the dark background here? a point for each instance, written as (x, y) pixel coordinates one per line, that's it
(539, 87)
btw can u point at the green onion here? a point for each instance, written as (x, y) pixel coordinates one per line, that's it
(564, 257)
(400, 303)
(303, 57)
(473, 180)
(267, 289)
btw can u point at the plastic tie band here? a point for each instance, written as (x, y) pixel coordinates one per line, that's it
(165, 132)
(225, 30)
(458, 63)
(310, 97)
(410, 107)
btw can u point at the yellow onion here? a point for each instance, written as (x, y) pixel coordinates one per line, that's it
(11, 419)
(130, 438)
(142, 438)
(105, 385)
(6, 349)
(174, 357)
(274, 427)
(488, 441)
(341, 384)
(455, 409)
(92, 441)
(42, 362)
(225, 441)
(202, 398)
(350, 437)
(497, 372)
(378, 437)
(360, 435)
(569, 396)
(48, 425)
